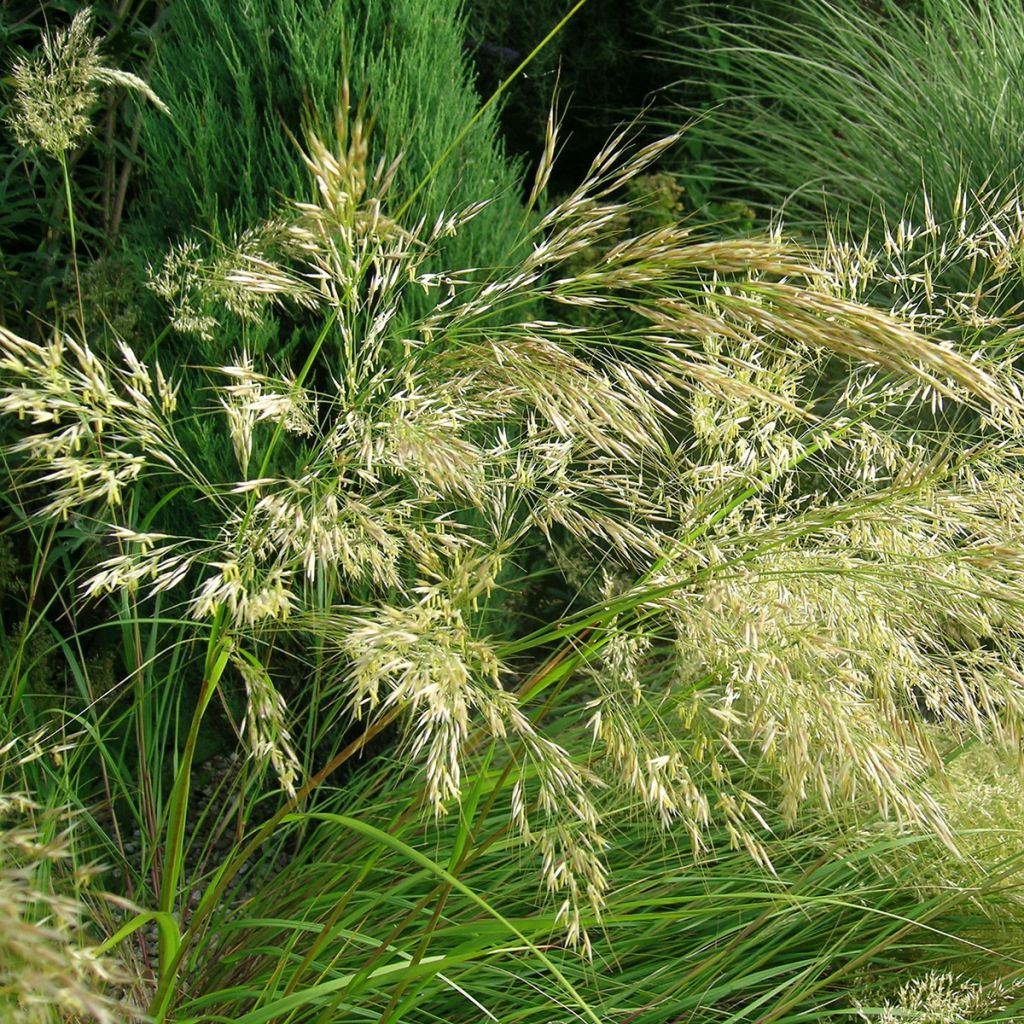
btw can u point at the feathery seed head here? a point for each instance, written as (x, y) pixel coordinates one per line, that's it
(47, 964)
(56, 88)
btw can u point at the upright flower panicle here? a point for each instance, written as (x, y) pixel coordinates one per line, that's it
(57, 88)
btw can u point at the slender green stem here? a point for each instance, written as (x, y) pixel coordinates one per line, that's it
(494, 97)
(216, 660)
(74, 243)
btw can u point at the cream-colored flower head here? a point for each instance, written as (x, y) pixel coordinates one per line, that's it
(56, 87)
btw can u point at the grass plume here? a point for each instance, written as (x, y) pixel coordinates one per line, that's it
(761, 617)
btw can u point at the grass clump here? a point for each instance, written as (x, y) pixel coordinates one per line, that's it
(829, 108)
(789, 523)
(375, 511)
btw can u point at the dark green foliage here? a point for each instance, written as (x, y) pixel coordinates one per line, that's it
(240, 77)
(594, 60)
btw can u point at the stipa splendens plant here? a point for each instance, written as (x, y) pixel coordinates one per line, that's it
(779, 578)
